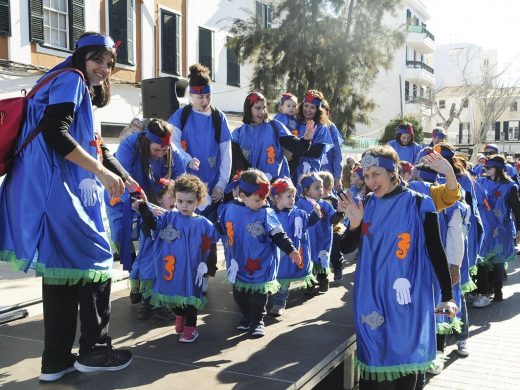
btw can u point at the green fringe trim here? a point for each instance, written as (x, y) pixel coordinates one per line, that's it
(177, 301)
(267, 287)
(456, 325)
(443, 328)
(59, 276)
(473, 270)
(468, 287)
(318, 269)
(306, 281)
(390, 373)
(143, 286)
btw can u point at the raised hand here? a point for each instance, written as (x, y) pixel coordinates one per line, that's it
(353, 210)
(309, 131)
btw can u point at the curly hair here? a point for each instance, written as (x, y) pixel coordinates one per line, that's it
(199, 75)
(191, 184)
(321, 114)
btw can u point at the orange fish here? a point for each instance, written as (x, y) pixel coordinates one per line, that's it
(403, 245)
(169, 267)
(115, 200)
(270, 155)
(184, 145)
(296, 133)
(230, 233)
(299, 264)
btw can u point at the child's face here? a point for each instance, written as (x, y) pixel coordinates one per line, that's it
(186, 203)
(406, 139)
(254, 201)
(355, 180)
(167, 201)
(200, 102)
(258, 112)
(327, 190)
(288, 107)
(315, 191)
(285, 200)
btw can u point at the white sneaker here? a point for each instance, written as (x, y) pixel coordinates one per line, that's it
(462, 348)
(277, 311)
(482, 301)
(437, 365)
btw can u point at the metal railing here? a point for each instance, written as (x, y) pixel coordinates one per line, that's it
(420, 30)
(416, 100)
(419, 64)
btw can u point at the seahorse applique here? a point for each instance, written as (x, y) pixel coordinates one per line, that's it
(403, 244)
(270, 155)
(184, 145)
(169, 267)
(230, 233)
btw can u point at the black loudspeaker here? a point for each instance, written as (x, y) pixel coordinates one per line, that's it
(162, 96)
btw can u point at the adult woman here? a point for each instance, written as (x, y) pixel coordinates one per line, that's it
(398, 236)
(51, 211)
(404, 145)
(204, 139)
(331, 161)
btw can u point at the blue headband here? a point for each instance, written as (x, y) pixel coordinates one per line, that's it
(438, 134)
(309, 180)
(200, 89)
(286, 96)
(405, 130)
(95, 40)
(383, 162)
(261, 189)
(426, 175)
(495, 164)
(163, 141)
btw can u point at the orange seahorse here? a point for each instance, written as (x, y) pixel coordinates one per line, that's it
(230, 233)
(296, 132)
(169, 267)
(184, 145)
(270, 155)
(403, 245)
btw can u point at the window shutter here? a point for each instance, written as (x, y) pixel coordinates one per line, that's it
(170, 37)
(36, 21)
(233, 67)
(76, 21)
(5, 22)
(506, 130)
(130, 31)
(121, 26)
(206, 49)
(460, 133)
(177, 44)
(497, 131)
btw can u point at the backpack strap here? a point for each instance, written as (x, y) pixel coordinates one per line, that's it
(215, 119)
(186, 111)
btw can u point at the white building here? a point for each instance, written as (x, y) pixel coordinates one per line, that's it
(404, 88)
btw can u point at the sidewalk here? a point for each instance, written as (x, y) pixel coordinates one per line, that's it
(494, 343)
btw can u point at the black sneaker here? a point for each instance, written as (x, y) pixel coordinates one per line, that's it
(144, 310)
(258, 330)
(104, 358)
(244, 324)
(164, 313)
(135, 296)
(50, 374)
(323, 282)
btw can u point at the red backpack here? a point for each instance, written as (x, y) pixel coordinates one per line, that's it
(12, 116)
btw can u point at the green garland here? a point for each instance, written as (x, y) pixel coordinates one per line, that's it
(177, 301)
(318, 269)
(143, 286)
(268, 287)
(390, 373)
(307, 281)
(468, 287)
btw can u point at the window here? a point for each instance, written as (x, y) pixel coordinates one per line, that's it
(264, 15)
(233, 67)
(465, 103)
(121, 28)
(170, 43)
(491, 134)
(514, 133)
(513, 106)
(56, 23)
(406, 91)
(414, 92)
(464, 133)
(442, 104)
(5, 22)
(206, 46)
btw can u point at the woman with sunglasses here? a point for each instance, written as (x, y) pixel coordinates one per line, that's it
(500, 232)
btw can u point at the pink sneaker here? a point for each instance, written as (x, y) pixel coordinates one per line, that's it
(179, 324)
(189, 334)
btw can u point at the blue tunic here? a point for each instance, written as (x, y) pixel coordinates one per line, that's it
(393, 296)
(406, 153)
(50, 208)
(250, 245)
(143, 267)
(261, 147)
(331, 160)
(181, 243)
(198, 140)
(288, 121)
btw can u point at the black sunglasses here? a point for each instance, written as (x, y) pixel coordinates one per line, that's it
(488, 167)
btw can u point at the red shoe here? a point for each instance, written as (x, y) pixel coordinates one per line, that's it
(179, 324)
(189, 335)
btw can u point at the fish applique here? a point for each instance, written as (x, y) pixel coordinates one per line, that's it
(256, 229)
(246, 153)
(212, 161)
(374, 320)
(169, 234)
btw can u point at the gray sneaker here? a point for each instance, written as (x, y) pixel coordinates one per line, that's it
(277, 310)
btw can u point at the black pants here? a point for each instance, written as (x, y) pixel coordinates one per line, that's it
(60, 314)
(190, 314)
(252, 305)
(404, 383)
(485, 278)
(336, 257)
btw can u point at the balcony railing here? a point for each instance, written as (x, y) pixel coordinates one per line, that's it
(420, 29)
(416, 100)
(419, 64)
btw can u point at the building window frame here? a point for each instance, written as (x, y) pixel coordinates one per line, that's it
(442, 104)
(5, 18)
(176, 70)
(121, 27)
(207, 57)
(233, 65)
(513, 107)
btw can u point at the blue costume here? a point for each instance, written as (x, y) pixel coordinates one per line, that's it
(288, 121)
(181, 243)
(249, 244)
(142, 274)
(406, 153)
(51, 208)
(261, 147)
(331, 160)
(393, 299)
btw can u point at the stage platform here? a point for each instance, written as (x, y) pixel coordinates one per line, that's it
(313, 338)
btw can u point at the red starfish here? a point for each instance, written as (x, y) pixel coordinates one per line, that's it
(497, 194)
(364, 228)
(205, 243)
(252, 266)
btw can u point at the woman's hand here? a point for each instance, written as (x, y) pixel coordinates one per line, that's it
(113, 183)
(133, 186)
(217, 194)
(353, 210)
(194, 164)
(447, 308)
(309, 131)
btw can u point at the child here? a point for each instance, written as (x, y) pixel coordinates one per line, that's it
(184, 243)
(288, 106)
(253, 233)
(336, 257)
(259, 142)
(404, 144)
(358, 189)
(331, 161)
(320, 234)
(295, 222)
(406, 170)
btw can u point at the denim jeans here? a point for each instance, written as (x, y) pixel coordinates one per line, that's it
(280, 298)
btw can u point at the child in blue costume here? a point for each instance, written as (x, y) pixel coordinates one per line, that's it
(288, 106)
(404, 144)
(209, 158)
(183, 243)
(331, 161)
(311, 114)
(320, 234)
(142, 275)
(253, 235)
(259, 143)
(51, 210)
(398, 237)
(295, 223)
(149, 156)
(491, 150)
(500, 231)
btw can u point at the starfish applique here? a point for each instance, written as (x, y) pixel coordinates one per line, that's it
(364, 228)
(252, 266)
(497, 194)
(205, 243)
